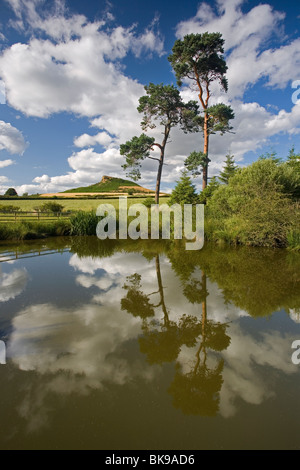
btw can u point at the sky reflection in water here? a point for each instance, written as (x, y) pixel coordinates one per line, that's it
(198, 330)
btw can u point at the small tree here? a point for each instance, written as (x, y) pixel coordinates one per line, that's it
(164, 104)
(11, 192)
(184, 191)
(198, 57)
(207, 193)
(229, 169)
(293, 160)
(148, 202)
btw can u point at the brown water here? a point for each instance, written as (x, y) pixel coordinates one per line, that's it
(143, 345)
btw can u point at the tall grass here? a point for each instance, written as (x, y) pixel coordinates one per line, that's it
(31, 230)
(84, 223)
(293, 240)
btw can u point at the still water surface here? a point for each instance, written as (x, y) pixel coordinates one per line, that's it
(144, 345)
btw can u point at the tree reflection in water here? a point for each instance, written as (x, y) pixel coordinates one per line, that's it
(195, 391)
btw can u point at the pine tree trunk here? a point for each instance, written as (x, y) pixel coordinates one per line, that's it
(205, 151)
(161, 161)
(158, 179)
(161, 292)
(204, 319)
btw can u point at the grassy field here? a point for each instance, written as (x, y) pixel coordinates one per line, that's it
(74, 204)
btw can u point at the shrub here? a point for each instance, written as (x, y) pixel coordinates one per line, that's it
(148, 202)
(51, 207)
(9, 208)
(269, 173)
(255, 207)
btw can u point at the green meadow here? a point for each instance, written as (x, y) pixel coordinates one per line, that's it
(86, 205)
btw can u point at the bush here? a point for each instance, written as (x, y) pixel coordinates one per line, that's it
(255, 207)
(148, 202)
(269, 173)
(51, 207)
(84, 223)
(130, 191)
(9, 208)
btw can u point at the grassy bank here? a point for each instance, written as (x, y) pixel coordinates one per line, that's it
(85, 223)
(34, 230)
(236, 214)
(234, 234)
(293, 240)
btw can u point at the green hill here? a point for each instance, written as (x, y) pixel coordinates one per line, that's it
(106, 185)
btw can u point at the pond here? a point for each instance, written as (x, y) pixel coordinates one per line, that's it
(143, 345)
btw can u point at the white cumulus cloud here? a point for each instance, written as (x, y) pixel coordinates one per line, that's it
(5, 163)
(11, 139)
(76, 69)
(12, 284)
(86, 140)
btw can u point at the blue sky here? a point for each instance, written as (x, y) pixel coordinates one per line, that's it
(71, 73)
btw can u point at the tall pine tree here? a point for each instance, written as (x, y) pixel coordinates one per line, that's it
(162, 105)
(199, 58)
